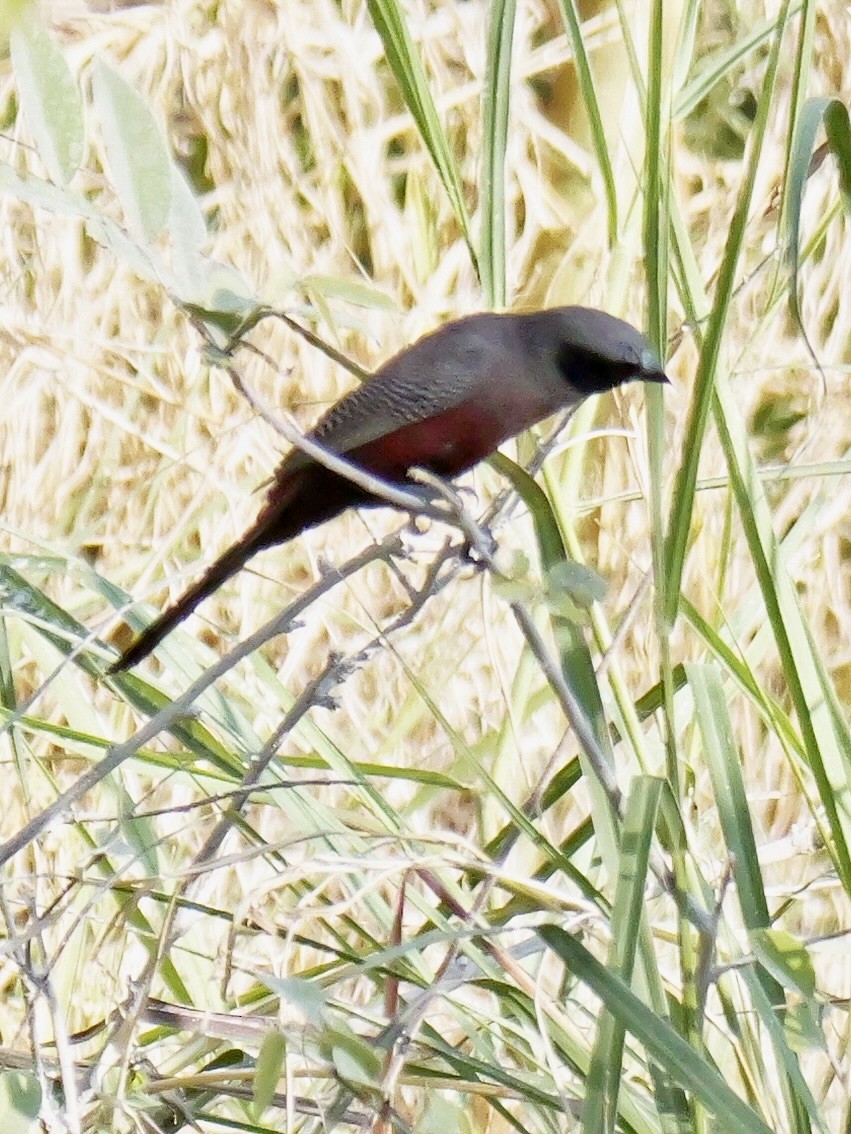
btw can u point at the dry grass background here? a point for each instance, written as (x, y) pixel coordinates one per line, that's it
(120, 448)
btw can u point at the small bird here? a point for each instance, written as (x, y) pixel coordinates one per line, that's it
(442, 404)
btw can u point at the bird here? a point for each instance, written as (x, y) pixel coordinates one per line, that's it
(442, 404)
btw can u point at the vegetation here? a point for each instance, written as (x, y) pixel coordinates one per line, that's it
(556, 836)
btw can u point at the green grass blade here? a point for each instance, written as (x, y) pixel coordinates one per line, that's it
(684, 489)
(825, 735)
(724, 767)
(664, 1045)
(497, 98)
(606, 1070)
(405, 63)
(723, 62)
(588, 90)
(833, 114)
(656, 232)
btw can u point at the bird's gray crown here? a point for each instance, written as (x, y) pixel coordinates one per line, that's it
(596, 351)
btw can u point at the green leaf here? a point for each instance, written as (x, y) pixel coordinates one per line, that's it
(606, 1070)
(50, 99)
(270, 1060)
(786, 958)
(307, 996)
(224, 301)
(838, 128)
(136, 152)
(187, 231)
(575, 661)
(704, 384)
(20, 1102)
(822, 723)
(355, 1058)
(56, 626)
(585, 78)
(815, 112)
(497, 97)
(801, 1028)
(444, 1115)
(720, 64)
(582, 583)
(43, 195)
(407, 68)
(355, 1064)
(12, 12)
(67, 202)
(352, 291)
(728, 784)
(664, 1046)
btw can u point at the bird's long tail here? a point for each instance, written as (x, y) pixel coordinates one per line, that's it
(226, 565)
(285, 513)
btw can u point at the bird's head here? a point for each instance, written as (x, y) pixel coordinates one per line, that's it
(596, 352)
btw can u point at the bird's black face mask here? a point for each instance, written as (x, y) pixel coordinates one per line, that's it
(592, 373)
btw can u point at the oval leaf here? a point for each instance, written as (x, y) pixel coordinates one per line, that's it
(224, 301)
(136, 152)
(20, 1102)
(188, 231)
(269, 1063)
(786, 959)
(68, 202)
(803, 160)
(582, 583)
(50, 99)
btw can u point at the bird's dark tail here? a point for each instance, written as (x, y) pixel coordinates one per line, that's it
(300, 499)
(280, 518)
(226, 565)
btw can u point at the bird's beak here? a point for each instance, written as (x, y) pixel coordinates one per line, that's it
(652, 369)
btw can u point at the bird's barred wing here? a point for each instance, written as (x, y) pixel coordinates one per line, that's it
(430, 378)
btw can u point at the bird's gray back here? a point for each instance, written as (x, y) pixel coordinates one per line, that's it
(436, 374)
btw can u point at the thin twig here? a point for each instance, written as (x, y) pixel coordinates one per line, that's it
(481, 541)
(317, 693)
(407, 500)
(183, 705)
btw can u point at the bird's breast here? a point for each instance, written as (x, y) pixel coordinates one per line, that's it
(447, 443)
